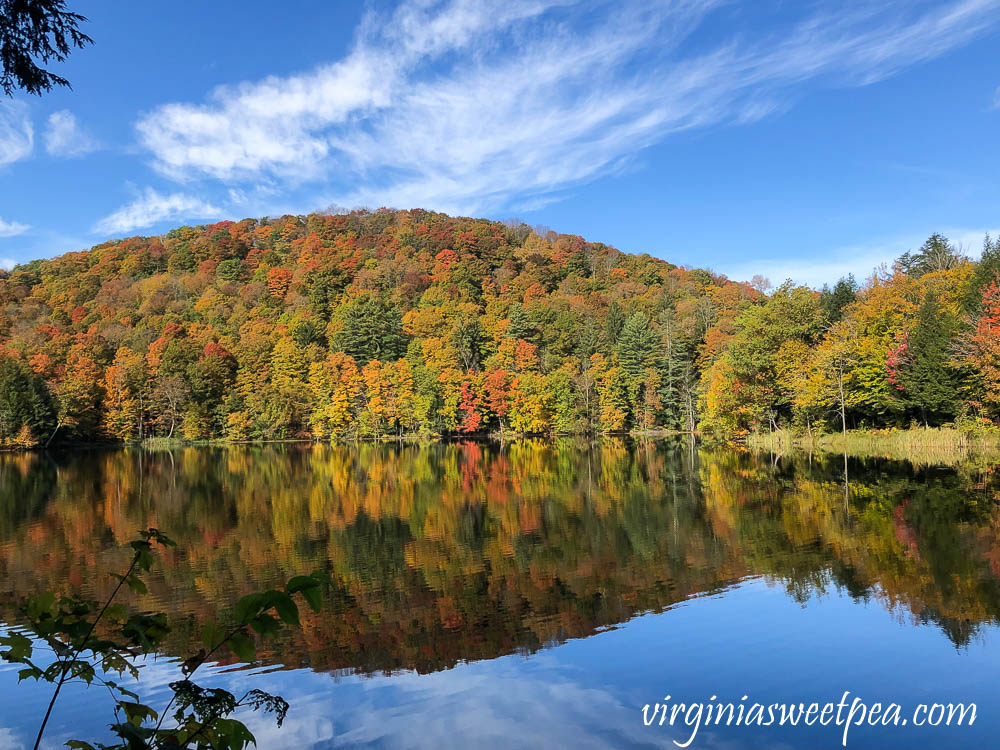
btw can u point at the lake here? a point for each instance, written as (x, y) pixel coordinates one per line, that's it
(537, 593)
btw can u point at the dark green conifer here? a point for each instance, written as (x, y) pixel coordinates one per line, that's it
(24, 401)
(613, 323)
(373, 329)
(674, 368)
(930, 385)
(637, 344)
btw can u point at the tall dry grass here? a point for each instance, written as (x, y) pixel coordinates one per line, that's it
(919, 445)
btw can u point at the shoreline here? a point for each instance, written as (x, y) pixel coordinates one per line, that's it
(919, 445)
(498, 437)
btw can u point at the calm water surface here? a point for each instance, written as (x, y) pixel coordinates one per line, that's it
(537, 594)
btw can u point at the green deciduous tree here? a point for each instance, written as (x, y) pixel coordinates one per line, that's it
(791, 313)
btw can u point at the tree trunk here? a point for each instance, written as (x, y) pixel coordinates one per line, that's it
(843, 407)
(49, 441)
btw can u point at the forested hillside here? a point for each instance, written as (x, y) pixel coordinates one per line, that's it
(411, 322)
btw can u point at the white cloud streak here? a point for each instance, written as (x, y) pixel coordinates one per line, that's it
(152, 207)
(830, 266)
(466, 105)
(12, 228)
(64, 136)
(17, 136)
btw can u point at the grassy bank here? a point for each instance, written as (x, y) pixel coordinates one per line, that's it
(935, 445)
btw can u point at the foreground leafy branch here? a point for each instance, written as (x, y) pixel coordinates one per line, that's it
(72, 629)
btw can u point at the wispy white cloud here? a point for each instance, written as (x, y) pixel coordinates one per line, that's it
(9, 738)
(826, 267)
(279, 125)
(12, 228)
(65, 137)
(152, 207)
(17, 136)
(463, 105)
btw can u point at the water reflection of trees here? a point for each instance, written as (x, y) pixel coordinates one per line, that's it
(445, 552)
(923, 542)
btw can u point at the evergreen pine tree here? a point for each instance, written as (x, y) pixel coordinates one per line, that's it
(637, 344)
(519, 325)
(613, 324)
(986, 271)
(673, 368)
(25, 401)
(936, 254)
(588, 339)
(930, 385)
(373, 329)
(833, 301)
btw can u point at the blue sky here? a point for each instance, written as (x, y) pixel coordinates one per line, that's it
(790, 138)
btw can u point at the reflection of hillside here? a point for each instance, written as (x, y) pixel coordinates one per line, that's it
(926, 542)
(450, 552)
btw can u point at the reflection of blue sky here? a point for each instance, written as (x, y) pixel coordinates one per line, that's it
(588, 693)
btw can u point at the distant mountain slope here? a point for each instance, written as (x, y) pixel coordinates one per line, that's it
(366, 323)
(409, 322)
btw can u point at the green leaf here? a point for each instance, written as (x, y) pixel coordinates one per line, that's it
(136, 585)
(84, 671)
(144, 557)
(236, 733)
(31, 673)
(135, 736)
(116, 612)
(286, 609)
(19, 647)
(242, 645)
(120, 689)
(212, 634)
(41, 604)
(146, 631)
(298, 583)
(137, 713)
(313, 597)
(248, 607)
(309, 587)
(80, 745)
(158, 536)
(265, 624)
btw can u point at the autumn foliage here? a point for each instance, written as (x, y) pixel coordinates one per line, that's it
(360, 324)
(390, 323)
